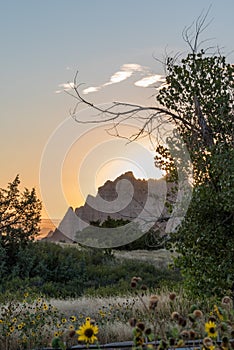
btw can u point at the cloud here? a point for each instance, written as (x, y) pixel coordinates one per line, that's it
(147, 81)
(126, 71)
(91, 89)
(65, 87)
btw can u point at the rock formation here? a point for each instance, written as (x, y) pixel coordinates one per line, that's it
(128, 198)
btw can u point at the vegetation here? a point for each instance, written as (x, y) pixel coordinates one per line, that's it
(205, 242)
(198, 98)
(165, 319)
(62, 272)
(19, 223)
(150, 240)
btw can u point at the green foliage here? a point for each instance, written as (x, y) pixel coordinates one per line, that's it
(19, 221)
(62, 272)
(205, 239)
(200, 92)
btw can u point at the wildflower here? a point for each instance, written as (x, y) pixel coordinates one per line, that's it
(175, 316)
(192, 334)
(226, 300)
(133, 284)
(45, 306)
(184, 334)
(64, 320)
(20, 326)
(182, 321)
(153, 302)
(73, 318)
(12, 329)
(197, 313)
(132, 322)
(71, 327)
(208, 343)
(148, 331)
(26, 294)
(141, 326)
(172, 296)
(211, 329)
(87, 332)
(136, 279)
(144, 287)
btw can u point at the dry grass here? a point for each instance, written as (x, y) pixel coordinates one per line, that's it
(114, 326)
(112, 314)
(160, 258)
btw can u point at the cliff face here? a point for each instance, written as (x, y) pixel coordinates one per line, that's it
(125, 198)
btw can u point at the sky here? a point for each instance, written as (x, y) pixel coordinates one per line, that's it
(112, 44)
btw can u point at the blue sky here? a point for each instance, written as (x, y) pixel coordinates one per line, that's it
(44, 42)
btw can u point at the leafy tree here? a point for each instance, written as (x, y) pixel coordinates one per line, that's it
(198, 99)
(19, 219)
(200, 89)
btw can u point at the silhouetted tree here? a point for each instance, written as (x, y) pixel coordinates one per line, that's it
(19, 219)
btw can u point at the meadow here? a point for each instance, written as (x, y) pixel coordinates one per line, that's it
(125, 296)
(169, 318)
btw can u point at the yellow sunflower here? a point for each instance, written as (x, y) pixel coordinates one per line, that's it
(87, 332)
(211, 329)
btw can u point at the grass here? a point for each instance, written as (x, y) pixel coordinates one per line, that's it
(112, 316)
(160, 258)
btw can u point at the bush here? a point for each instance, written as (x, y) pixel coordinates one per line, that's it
(61, 272)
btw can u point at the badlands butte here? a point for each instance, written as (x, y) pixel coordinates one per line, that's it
(143, 202)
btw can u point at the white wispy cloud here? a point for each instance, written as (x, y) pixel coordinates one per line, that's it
(126, 71)
(152, 79)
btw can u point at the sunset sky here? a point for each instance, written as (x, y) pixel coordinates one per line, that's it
(112, 43)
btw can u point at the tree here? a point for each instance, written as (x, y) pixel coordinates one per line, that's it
(198, 99)
(19, 219)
